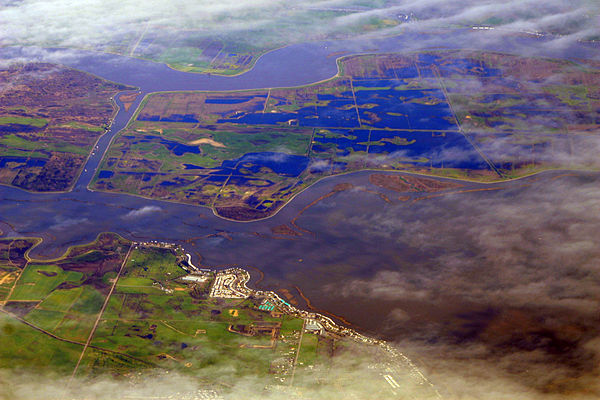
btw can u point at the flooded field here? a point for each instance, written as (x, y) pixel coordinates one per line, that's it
(245, 153)
(50, 117)
(446, 265)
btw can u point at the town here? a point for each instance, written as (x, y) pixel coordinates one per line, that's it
(231, 283)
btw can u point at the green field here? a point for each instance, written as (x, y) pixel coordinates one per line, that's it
(151, 320)
(155, 323)
(12, 261)
(308, 350)
(39, 280)
(37, 122)
(171, 324)
(25, 348)
(62, 296)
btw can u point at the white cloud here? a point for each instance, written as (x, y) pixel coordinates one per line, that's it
(142, 212)
(62, 223)
(118, 24)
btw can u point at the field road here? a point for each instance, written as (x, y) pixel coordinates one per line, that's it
(89, 340)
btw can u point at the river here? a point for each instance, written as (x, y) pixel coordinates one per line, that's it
(337, 243)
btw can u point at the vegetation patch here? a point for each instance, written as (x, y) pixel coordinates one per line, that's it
(42, 146)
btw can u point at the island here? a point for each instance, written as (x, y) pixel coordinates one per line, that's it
(476, 116)
(50, 119)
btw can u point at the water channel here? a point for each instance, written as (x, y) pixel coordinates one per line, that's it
(341, 238)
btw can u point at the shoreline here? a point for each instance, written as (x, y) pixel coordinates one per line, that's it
(238, 289)
(348, 173)
(88, 186)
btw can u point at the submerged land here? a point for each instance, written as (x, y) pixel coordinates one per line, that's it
(456, 264)
(467, 115)
(50, 119)
(118, 307)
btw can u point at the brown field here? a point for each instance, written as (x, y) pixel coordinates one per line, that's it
(50, 117)
(408, 183)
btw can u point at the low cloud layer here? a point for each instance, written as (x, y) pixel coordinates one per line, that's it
(504, 292)
(354, 374)
(145, 211)
(121, 24)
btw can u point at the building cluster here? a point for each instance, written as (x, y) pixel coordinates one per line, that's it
(266, 305)
(196, 278)
(231, 284)
(156, 243)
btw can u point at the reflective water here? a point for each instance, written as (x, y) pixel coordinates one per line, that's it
(329, 248)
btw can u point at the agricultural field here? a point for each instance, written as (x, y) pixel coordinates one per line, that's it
(164, 321)
(26, 348)
(12, 261)
(154, 322)
(49, 309)
(63, 296)
(193, 52)
(208, 50)
(480, 116)
(50, 118)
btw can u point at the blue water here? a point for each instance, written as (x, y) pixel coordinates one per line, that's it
(279, 163)
(176, 148)
(6, 160)
(406, 72)
(448, 149)
(398, 109)
(341, 141)
(229, 100)
(216, 179)
(192, 166)
(104, 174)
(29, 162)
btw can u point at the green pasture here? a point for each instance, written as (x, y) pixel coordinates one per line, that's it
(89, 302)
(137, 286)
(37, 122)
(17, 142)
(76, 327)
(87, 127)
(237, 142)
(34, 285)
(179, 331)
(180, 57)
(154, 264)
(203, 344)
(290, 325)
(68, 313)
(25, 347)
(45, 319)
(98, 362)
(308, 350)
(61, 300)
(11, 152)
